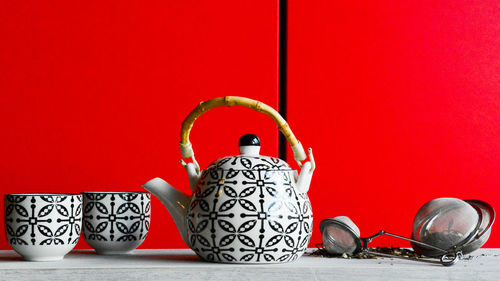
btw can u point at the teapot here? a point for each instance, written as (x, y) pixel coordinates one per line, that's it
(246, 208)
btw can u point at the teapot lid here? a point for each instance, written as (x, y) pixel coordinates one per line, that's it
(249, 158)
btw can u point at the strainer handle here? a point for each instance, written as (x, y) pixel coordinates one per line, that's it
(185, 144)
(447, 259)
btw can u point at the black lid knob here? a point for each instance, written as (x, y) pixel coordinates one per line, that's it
(249, 140)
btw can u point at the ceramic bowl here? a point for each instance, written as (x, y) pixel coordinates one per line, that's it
(115, 222)
(43, 226)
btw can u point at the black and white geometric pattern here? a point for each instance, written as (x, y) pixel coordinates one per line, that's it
(251, 213)
(40, 219)
(116, 216)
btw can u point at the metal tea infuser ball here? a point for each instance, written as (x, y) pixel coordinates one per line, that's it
(452, 223)
(341, 235)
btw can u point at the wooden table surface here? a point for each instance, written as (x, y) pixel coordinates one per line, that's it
(183, 264)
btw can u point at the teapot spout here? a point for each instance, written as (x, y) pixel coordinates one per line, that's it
(175, 201)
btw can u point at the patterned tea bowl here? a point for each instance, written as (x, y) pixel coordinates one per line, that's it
(43, 226)
(115, 222)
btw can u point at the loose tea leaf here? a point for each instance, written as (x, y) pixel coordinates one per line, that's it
(395, 251)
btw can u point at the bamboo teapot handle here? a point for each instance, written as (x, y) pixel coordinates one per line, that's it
(187, 149)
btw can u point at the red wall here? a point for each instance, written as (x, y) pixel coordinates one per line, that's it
(92, 94)
(400, 101)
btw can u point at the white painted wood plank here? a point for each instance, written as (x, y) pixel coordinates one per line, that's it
(184, 265)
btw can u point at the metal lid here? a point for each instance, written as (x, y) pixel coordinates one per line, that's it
(488, 217)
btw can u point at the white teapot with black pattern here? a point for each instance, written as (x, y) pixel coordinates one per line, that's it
(246, 208)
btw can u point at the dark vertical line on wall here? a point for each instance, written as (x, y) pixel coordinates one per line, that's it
(282, 71)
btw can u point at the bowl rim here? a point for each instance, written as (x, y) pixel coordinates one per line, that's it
(42, 194)
(114, 192)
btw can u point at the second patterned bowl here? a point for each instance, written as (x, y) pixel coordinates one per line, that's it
(115, 222)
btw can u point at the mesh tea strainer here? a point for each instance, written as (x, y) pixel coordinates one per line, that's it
(341, 235)
(452, 223)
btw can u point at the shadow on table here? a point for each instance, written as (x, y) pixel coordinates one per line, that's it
(170, 257)
(143, 256)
